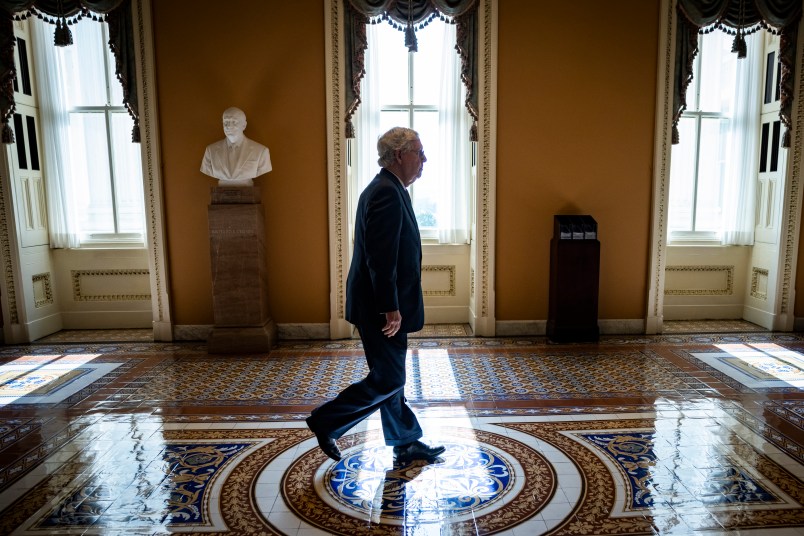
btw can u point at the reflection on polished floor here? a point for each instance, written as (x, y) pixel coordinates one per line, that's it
(681, 433)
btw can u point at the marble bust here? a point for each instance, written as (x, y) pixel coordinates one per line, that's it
(235, 160)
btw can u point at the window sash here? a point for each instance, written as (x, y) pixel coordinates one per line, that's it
(107, 172)
(697, 172)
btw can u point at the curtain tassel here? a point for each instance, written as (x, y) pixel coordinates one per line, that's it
(786, 138)
(674, 137)
(8, 134)
(350, 130)
(135, 134)
(738, 45)
(410, 39)
(62, 37)
(473, 131)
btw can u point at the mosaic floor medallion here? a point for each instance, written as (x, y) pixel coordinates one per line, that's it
(484, 482)
(652, 478)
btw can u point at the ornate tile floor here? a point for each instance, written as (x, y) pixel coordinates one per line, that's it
(673, 434)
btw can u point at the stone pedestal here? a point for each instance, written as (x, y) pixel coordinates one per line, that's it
(243, 320)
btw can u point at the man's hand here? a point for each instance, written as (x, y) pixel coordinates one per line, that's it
(393, 321)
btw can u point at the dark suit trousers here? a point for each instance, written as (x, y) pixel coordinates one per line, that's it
(383, 389)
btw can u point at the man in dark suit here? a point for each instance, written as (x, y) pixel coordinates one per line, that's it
(384, 301)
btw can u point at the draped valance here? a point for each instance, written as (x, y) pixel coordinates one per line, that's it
(409, 16)
(738, 18)
(63, 13)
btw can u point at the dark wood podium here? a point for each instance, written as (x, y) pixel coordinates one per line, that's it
(574, 280)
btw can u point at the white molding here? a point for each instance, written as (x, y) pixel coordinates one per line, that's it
(337, 189)
(41, 327)
(13, 296)
(447, 314)
(791, 206)
(106, 319)
(482, 318)
(661, 165)
(760, 317)
(151, 168)
(163, 331)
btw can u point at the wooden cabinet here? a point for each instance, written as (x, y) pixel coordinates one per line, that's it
(574, 280)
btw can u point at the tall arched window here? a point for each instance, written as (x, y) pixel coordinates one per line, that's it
(420, 90)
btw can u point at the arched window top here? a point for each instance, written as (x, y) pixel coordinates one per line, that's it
(117, 13)
(409, 15)
(736, 17)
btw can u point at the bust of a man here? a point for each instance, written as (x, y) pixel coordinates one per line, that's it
(235, 160)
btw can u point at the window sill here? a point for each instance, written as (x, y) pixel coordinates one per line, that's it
(113, 243)
(708, 239)
(693, 243)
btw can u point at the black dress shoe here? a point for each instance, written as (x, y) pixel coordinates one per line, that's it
(330, 448)
(417, 451)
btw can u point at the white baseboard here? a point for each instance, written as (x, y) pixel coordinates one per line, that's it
(759, 317)
(163, 331)
(483, 326)
(703, 312)
(43, 327)
(340, 329)
(446, 315)
(107, 319)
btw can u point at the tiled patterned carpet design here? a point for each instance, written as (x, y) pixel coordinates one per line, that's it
(673, 434)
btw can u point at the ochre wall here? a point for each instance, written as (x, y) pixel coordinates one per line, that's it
(266, 58)
(576, 103)
(576, 107)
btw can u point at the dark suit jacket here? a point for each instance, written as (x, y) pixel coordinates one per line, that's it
(386, 269)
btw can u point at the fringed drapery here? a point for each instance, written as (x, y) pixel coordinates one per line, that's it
(739, 18)
(63, 13)
(409, 16)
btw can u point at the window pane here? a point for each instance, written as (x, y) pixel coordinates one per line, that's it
(86, 78)
(769, 69)
(711, 168)
(717, 74)
(393, 76)
(427, 64)
(390, 119)
(127, 175)
(424, 191)
(682, 177)
(90, 173)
